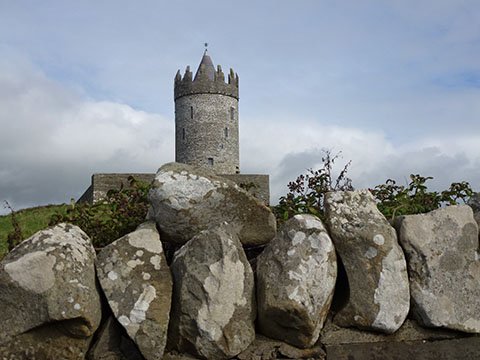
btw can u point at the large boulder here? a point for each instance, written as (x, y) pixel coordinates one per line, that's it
(48, 281)
(137, 283)
(373, 260)
(296, 276)
(186, 200)
(444, 267)
(213, 300)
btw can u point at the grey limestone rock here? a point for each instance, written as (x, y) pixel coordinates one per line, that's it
(136, 281)
(49, 279)
(296, 276)
(444, 267)
(46, 342)
(186, 200)
(373, 260)
(213, 301)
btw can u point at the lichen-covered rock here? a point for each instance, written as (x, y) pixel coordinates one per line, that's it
(136, 281)
(50, 341)
(444, 267)
(296, 276)
(49, 278)
(213, 300)
(373, 260)
(186, 200)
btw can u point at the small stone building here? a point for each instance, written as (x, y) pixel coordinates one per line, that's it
(206, 132)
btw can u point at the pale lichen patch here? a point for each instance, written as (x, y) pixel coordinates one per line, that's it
(225, 288)
(134, 263)
(33, 271)
(146, 276)
(156, 261)
(298, 238)
(371, 253)
(379, 239)
(112, 275)
(144, 240)
(138, 313)
(392, 284)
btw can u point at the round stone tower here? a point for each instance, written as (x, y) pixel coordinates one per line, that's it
(206, 118)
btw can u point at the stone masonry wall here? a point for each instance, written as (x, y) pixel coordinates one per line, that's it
(211, 133)
(256, 185)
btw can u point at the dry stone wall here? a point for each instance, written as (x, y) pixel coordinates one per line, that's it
(51, 285)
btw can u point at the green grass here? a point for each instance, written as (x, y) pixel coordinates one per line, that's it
(31, 220)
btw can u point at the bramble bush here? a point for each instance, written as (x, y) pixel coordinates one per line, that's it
(307, 193)
(119, 214)
(394, 200)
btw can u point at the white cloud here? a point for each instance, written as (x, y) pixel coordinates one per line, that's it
(53, 139)
(289, 148)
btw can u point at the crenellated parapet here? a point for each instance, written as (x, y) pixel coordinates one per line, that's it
(207, 81)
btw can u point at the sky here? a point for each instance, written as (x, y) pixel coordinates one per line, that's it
(87, 87)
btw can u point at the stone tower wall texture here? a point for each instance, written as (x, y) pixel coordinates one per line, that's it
(206, 119)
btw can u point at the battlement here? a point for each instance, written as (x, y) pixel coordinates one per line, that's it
(206, 81)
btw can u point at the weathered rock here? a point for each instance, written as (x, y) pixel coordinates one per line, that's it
(113, 343)
(444, 267)
(136, 280)
(186, 200)
(49, 278)
(374, 262)
(46, 342)
(213, 301)
(296, 276)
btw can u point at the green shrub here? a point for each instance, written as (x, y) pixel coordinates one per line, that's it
(119, 214)
(394, 200)
(306, 194)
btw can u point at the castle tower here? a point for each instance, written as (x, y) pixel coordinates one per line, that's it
(206, 118)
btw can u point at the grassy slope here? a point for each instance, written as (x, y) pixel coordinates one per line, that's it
(30, 220)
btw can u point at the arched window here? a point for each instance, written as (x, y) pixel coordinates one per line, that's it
(183, 134)
(226, 132)
(232, 113)
(210, 161)
(191, 112)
